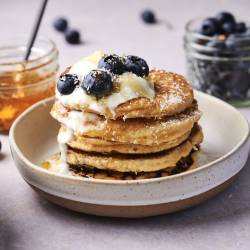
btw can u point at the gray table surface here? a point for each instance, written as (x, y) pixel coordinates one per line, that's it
(30, 222)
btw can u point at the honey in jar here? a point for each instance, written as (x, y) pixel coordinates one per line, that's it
(22, 83)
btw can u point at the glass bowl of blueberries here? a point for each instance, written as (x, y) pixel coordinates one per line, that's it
(218, 57)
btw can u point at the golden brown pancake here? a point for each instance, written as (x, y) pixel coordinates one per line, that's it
(91, 144)
(136, 163)
(173, 94)
(141, 131)
(187, 163)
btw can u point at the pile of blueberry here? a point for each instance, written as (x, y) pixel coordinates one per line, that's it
(72, 36)
(99, 82)
(222, 24)
(225, 34)
(219, 65)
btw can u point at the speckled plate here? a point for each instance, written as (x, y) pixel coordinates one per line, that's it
(223, 154)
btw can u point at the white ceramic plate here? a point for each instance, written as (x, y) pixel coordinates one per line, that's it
(223, 154)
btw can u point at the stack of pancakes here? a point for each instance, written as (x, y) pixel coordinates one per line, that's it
(141, 138)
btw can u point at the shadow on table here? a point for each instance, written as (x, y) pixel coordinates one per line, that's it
(8, 236)
(2, 156)
(227, 206)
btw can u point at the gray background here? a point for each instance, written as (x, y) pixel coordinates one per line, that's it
(29, 222)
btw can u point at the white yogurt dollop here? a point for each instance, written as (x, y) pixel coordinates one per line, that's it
(63, 138)
(130, 86)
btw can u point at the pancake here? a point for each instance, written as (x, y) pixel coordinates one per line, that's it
(120, 121)
(173, 95)
(185, 164)
(130, 131)
(98, 145)
(136, 163)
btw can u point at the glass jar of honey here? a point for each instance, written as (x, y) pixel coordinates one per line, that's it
(22, 83)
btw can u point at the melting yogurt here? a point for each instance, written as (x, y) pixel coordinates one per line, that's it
(63, 138)
(130, 86)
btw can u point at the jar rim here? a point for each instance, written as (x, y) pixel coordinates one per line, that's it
(47, 56)
(198, 35)
(30, 61)
(200, 49)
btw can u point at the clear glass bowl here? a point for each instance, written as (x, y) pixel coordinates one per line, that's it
(219, 65)
(22, 83)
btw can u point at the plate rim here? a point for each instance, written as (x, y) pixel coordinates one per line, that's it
(35, 167)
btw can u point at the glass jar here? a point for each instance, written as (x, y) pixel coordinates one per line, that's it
(22, 83)
(219, 65)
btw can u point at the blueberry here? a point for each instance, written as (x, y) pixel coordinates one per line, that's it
(231, 42)
(72, 36)
(247, 32)
(98, 83)
(225, 17)
(60, 24)
(137, 66)
(239, 80)
(207, 73)
(148, 16)
(112, 63)
(237, 95)
(234, 81)
(237, 42)
(209, 27)
(234, 42)
(240, 27)
(240, 85)
(228, 28)
(217, 91)
(67, 83)
(217, 43)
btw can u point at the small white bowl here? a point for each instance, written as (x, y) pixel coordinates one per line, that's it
(223, 154)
